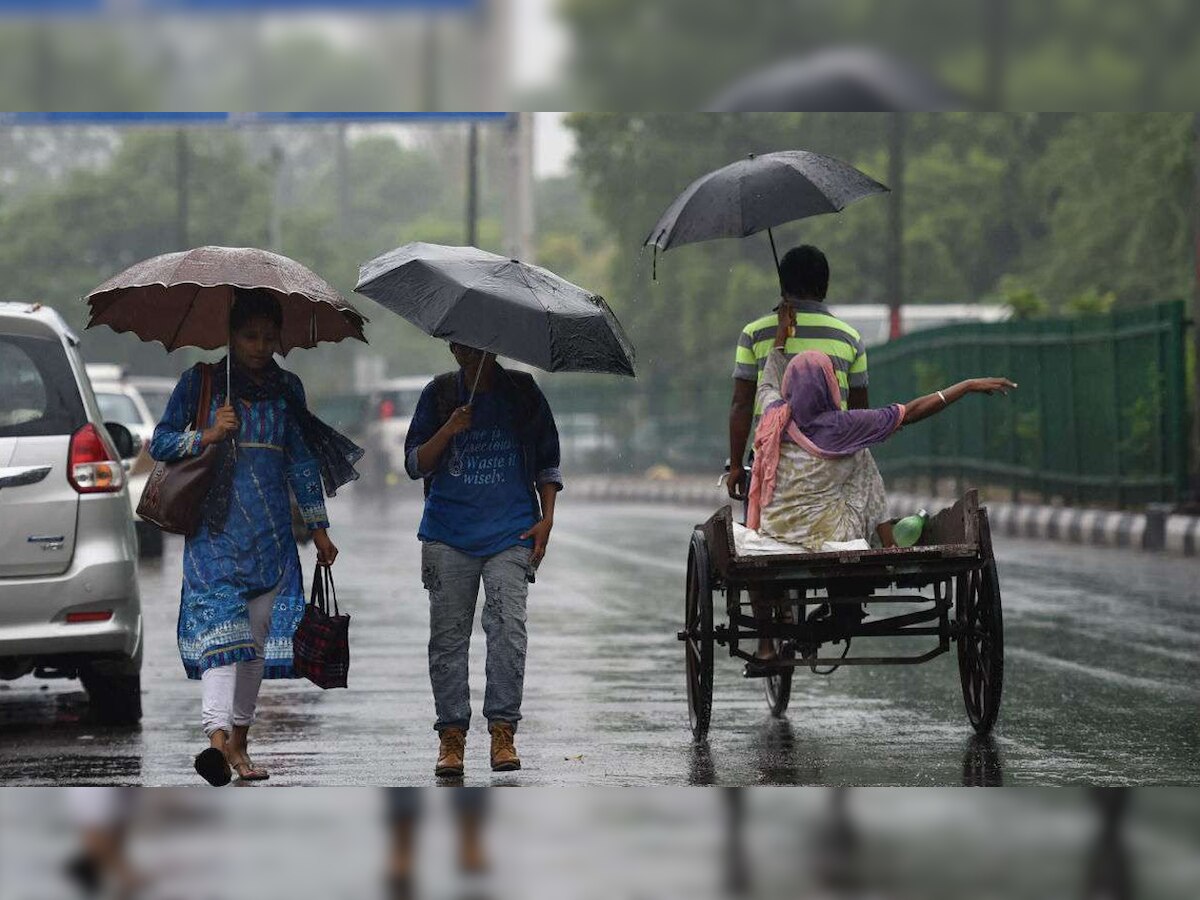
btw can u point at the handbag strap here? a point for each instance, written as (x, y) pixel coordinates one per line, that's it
(330, 590)
(316, 596)
(201, 420)
(323, 590)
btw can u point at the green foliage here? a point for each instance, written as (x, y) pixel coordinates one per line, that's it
(1046, 212)
(60, 243)
(1115, 196)
(1091, 302)
(680, 54)
(1025, 302)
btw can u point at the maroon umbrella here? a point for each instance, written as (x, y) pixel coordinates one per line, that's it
(183, 299)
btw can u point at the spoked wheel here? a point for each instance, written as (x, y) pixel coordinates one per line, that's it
(980, 644)
(779, 684)
(698, 645)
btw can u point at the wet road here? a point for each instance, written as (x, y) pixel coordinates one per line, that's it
(663, 843)
(1102, 680)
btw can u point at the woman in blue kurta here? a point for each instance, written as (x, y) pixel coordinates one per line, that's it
(243, 592)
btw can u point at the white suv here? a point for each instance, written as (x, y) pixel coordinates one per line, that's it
(137, 403)
(69, 600)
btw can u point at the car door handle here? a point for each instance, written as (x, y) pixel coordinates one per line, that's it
(15, 476)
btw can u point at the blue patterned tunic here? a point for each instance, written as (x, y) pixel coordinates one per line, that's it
(256, 551)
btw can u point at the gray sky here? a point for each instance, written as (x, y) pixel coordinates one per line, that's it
(539, 44)
(552, 144)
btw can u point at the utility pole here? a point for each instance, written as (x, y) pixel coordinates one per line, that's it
(275, 218)
(1195, 443)
(895, 265)
(181, 189)
(343, 177)
(430, 47)
(473, 184)
(518, 217)
(995, 40)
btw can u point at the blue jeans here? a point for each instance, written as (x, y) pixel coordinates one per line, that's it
(452, 579)
(404, 803)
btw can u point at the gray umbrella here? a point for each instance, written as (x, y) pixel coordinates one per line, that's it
(758, 193)
(842, 79)
(499, 305)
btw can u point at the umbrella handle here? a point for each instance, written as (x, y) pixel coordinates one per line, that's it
(774, 252)
(478, 372)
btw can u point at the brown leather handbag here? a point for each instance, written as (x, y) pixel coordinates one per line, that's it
(174, 494)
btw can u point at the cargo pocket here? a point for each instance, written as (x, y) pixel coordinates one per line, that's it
(430, 578)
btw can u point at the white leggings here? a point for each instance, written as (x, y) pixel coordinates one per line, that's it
(231, 692)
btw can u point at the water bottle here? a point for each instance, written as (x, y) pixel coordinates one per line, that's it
(908, 530)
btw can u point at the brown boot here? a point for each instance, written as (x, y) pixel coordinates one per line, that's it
(504, 751)
(452, 748)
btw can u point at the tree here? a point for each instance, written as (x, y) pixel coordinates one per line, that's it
(60, 243)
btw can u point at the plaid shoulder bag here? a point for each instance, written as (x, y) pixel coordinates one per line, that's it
(321, 644)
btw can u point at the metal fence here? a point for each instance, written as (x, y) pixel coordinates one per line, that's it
(1100, 416)
(618, 426)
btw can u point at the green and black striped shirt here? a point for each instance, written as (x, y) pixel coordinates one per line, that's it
(816, 329)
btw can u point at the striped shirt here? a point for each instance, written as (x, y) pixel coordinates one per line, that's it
(816, 329)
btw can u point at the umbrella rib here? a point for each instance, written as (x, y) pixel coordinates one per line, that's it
(547, 317)
(187, 312)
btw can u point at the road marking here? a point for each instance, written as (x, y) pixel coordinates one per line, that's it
(625, 556)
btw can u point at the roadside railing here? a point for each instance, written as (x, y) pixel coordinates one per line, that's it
(1100, 415)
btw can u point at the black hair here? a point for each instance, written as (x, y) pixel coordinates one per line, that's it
(804, 272)
(254, 303)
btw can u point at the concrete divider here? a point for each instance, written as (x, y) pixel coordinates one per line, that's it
(1156, 530)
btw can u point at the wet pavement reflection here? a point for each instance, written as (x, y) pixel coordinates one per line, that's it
(1102, 675)
(786, 843)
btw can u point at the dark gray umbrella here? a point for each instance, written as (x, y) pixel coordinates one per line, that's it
(758, 193)
(844, 79)
(499, 305)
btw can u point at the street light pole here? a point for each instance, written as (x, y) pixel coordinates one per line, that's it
(1195, 443)
(473, 184)
(895, 267)
(181, 188)
(995, 36)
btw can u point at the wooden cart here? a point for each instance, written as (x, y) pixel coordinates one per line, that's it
(814, 602)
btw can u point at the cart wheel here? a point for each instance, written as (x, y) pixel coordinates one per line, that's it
(698, 623)
(980, 644)
(779, 685)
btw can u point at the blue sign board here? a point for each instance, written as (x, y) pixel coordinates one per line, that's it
(58, 7)
(236, 118)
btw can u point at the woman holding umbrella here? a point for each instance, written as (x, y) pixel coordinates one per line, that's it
(242, 592)
(243, 595)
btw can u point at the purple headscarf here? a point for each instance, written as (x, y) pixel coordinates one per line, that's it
(811, 415)
(818, 423)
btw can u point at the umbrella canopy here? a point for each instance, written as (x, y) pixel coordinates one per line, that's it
(499, 305)
(758, 193)
(845, 79)
(183, 299)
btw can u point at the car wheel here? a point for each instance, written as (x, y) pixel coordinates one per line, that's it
(114, 691)
(150, 540)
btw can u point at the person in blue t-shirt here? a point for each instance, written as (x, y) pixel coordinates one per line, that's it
(491, 474)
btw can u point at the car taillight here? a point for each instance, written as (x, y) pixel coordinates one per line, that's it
(90, 468)
(100, 615)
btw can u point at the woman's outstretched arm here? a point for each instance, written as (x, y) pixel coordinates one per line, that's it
(931, 404)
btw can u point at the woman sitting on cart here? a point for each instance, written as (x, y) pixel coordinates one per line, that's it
(814, 479)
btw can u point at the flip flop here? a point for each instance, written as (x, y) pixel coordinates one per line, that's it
(246, 771)
(213, 767)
